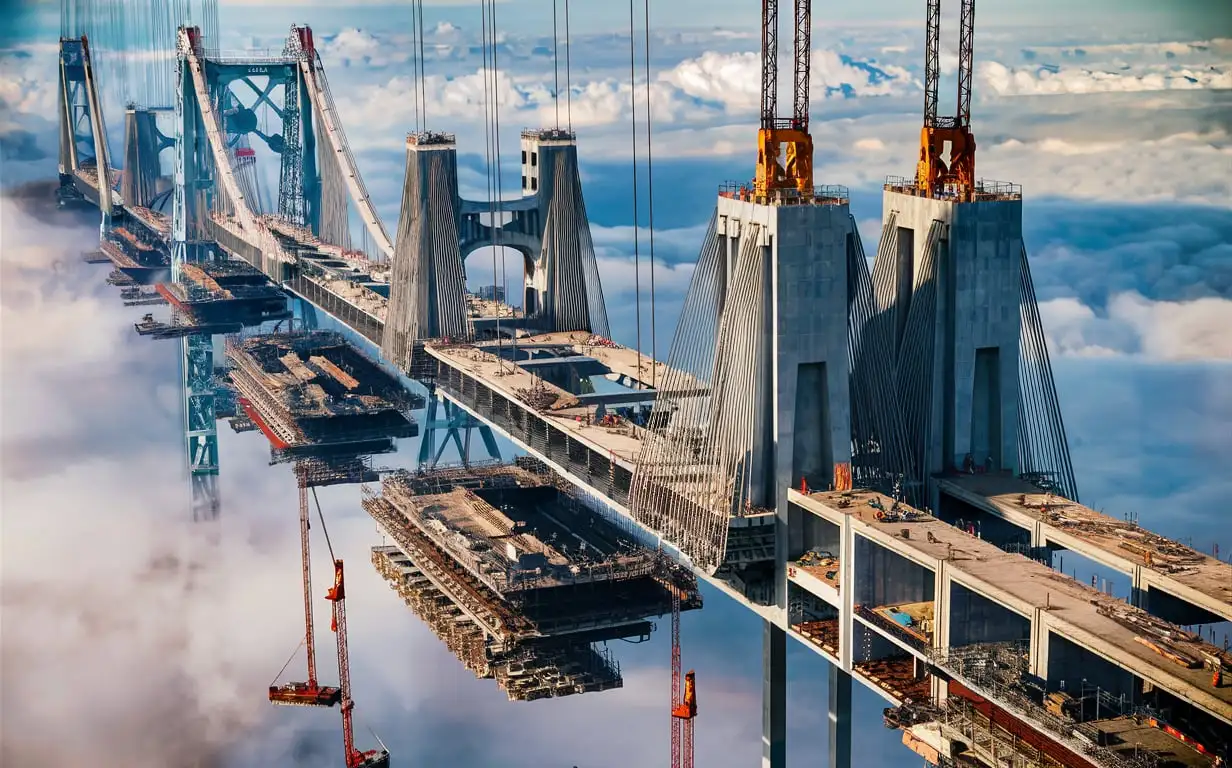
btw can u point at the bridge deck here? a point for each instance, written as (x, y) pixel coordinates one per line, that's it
(564, 411)
(1063, 605)
(1173, 567)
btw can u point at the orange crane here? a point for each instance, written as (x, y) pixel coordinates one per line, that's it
(309, 693)
(934, 175)
(784, 137)
(684, 706)
(376, 758)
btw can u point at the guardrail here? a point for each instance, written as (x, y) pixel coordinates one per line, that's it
(985, 189)
(826, 194)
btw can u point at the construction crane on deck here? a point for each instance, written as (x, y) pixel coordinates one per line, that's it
(787, 138)
(684, 703)
(376, 758)
(309, 693)
(935, 176)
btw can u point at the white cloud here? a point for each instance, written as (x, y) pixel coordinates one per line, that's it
(1132, 325)
(1003, 80)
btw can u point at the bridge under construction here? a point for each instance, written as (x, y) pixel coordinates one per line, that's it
(873, 461)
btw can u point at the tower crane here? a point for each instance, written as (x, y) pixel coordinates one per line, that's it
(309, 693)
(684, 704)
(934, 175)
(788, 137)
(376, 758)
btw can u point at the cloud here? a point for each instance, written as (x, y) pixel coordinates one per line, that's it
(95, 578)
(1010, 81)
(1170, 331)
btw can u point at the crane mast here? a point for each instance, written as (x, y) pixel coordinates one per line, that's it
(935, 175)
(784, 146)
(683, 702)
(354, 758)
(306, 560)
(309, 693)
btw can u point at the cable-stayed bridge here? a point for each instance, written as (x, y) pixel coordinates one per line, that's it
(873, 461)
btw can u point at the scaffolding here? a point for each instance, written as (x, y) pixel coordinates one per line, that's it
(999, 674)
(312, 390)
(517, 576)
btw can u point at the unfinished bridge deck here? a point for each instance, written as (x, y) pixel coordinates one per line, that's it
(1051, 601)
(566, 413)
(1152, 561)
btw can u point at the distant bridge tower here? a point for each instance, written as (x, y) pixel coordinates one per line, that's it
(439, 230)
(85, 163)
(190, 244)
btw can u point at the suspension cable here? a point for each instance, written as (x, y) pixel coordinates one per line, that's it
(415, 35)
(637, 269)
(568, 75)
(654, 352)
(499, 181)
(423, 66)
(555, 66)
(487, 141)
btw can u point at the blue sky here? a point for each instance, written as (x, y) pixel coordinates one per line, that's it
(1114, 116)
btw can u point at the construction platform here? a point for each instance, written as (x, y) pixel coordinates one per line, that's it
(579, 401)
(518, 577)
(1158, 655)
(181, 325)
(226, 291)
(313, 394)
(136, 253)
(1153, 562)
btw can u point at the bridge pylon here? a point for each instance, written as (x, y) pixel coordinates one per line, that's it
(438, 231)
(84, 161)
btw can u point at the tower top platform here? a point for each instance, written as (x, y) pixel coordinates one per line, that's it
(826, 194)
(550, 135)
(432, 139)
(986, 190)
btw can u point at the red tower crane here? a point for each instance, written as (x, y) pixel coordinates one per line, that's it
(683, 704)
(309, 693)
(934, 175)
(376, 758)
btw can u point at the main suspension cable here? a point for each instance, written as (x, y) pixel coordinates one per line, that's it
(487, 141)
(637, 270)
(654, 352)
(500, 212)
(555, 66)
(423, 67)
(415, 34)
(568, 74)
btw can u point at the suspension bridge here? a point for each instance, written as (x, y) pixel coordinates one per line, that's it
(872, 461)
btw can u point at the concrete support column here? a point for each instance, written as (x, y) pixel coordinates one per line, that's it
(840, 718)
(774, 696)
(1039, 644)
(942, 591)
(1137, 592)
(847, 594)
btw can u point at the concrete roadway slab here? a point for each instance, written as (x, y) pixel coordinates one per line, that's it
(1196, 578)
